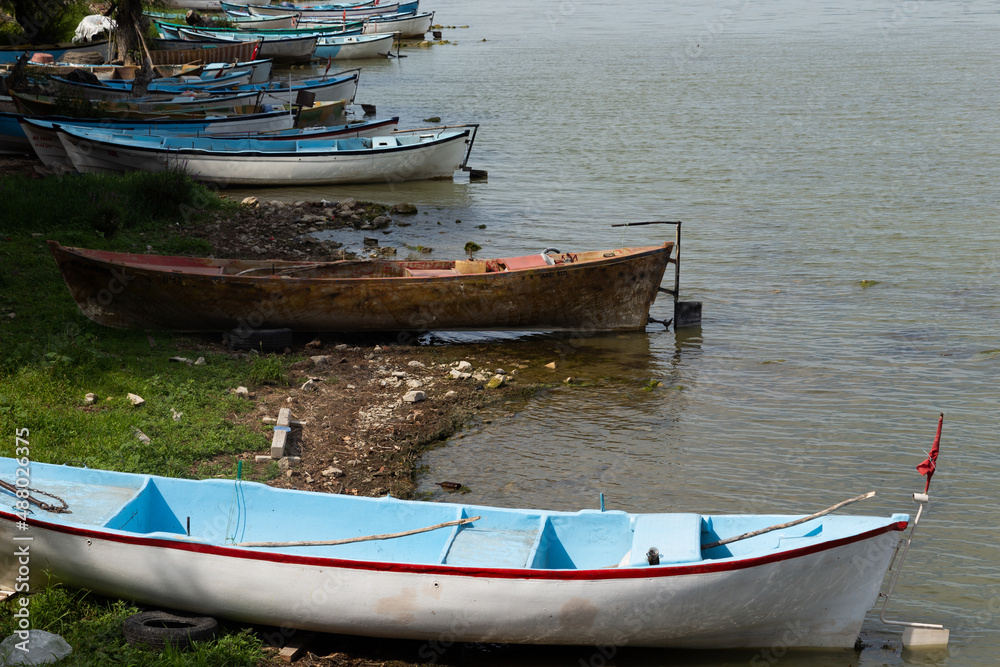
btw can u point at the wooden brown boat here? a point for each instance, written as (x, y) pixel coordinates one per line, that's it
(551, 291)
(211, 53)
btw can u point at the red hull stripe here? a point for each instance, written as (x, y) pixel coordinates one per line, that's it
(704, 567)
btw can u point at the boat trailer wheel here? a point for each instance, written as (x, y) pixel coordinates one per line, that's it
(157, 629)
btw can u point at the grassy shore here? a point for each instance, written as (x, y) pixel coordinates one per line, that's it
(52, 356)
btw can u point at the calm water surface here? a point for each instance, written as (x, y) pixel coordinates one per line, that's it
(808, 148)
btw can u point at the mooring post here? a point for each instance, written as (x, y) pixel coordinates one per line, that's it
(686, 313)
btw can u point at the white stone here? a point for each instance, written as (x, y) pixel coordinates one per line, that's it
(200, 361)
(464, 366)
(399, 374)
(414, 384)
(332, 472)
(319, 359)
(90, 398)
(242, 391)
(136, 399)
(414, 396)
(310, 385)
(416, 364)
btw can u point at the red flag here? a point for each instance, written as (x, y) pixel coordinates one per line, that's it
(929, 464)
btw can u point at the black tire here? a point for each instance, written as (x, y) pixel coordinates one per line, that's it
(157, 629)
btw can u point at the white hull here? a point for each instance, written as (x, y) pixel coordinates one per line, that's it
(352, 48)
(815, 599)
(334, 92)
(434, 160)
(416, 26)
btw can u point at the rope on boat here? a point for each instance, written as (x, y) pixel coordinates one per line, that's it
(754, 533)
(363, 538)
(40, 504)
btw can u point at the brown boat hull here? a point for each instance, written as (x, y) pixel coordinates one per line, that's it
(590, 292)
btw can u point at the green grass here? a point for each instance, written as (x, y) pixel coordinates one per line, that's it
(51, 356)
(93, 628)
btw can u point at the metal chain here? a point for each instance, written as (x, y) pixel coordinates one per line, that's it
(38, 503)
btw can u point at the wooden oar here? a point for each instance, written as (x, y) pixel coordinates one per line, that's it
(754, 533)
(363, 538)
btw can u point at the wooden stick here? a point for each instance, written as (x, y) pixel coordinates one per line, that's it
(754, 533)
(654, 222)
(364, 538)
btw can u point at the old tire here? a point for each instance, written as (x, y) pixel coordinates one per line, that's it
(157, 629)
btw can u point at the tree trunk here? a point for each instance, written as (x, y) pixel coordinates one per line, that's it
(128, 40)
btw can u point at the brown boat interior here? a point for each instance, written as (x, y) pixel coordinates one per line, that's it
(357, 268)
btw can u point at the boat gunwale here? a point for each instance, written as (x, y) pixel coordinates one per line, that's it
(209, 153)
(161, 269)
(601, 574)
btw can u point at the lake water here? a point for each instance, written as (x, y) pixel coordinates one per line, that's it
(807, 147)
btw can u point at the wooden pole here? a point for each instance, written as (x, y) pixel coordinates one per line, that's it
(363, 538)
(754, 533)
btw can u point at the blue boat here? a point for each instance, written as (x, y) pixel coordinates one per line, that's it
(44, 139)
(10, 54)
(353, 48)
(163, 88)
(424, 570)
(14, 141)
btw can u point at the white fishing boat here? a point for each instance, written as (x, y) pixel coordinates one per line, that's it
(401, 156)
(384, 567)
(406, 26)
(42, 137)
(330, 88)
(353, 47)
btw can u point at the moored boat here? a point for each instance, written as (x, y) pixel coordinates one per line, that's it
(182, 105)
(357, 47)
(10, 54)
(329, 10)
(43, 138)
(593, 291)
(384, 567)
(170, 52)
(386, 159)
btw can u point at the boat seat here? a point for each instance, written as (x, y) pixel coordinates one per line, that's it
(526, 262)
(676, 536)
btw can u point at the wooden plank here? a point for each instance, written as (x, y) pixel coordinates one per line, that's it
(281, 430)
(296, 646)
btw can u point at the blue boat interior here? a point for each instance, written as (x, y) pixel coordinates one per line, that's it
(232, 513)
(238, 145)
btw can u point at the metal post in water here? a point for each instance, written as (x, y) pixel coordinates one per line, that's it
(916, 635)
